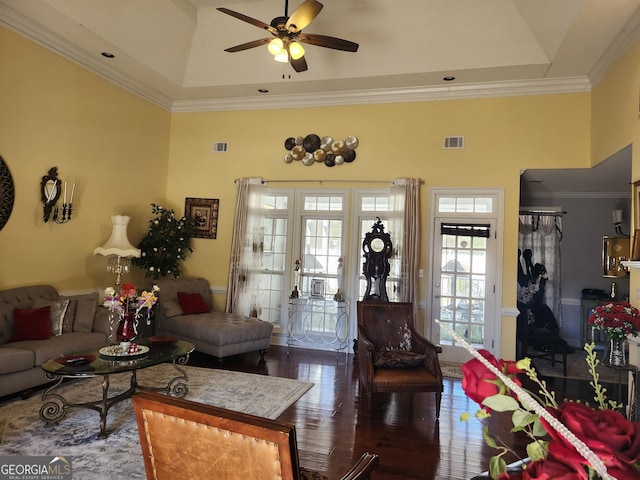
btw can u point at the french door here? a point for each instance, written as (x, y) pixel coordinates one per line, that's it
(463, 279)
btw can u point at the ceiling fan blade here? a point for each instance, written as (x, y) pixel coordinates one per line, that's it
(303, 15)
(250, 20)
(248, 45)
(299, 65)
(328, 42)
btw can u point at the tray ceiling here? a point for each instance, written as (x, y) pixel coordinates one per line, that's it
(171, 51)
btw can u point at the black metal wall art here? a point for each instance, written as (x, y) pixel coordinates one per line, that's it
(7, 193)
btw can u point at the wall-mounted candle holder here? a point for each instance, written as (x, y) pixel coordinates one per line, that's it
(50, 190)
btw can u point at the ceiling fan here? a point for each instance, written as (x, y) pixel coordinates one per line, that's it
(287, 35)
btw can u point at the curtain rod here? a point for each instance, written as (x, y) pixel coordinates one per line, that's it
(328, 181)
(542, 213)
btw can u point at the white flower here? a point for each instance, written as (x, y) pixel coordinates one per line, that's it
(109, 291)
(151, 269)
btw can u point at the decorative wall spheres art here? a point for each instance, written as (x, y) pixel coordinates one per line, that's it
(313, 149)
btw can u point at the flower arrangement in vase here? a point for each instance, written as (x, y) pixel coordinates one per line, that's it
(617, 320)
(568, 440)
(129, 307)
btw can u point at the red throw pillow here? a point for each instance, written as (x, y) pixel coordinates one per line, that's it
(34, 324)
(191, 303)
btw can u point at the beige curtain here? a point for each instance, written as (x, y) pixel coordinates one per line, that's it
(246, 248)
(404, 228)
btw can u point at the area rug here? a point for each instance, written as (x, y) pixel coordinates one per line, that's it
(577, 368)
(22, 432)
(451, 370)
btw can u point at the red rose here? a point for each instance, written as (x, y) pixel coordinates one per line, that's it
(545, 470)
(614, 439)
(478, 382)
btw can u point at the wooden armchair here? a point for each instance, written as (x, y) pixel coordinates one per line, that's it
(392, 355)
(188, 440)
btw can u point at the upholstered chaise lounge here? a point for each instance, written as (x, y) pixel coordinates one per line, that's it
(191, 318)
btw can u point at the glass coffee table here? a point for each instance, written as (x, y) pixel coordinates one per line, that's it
(105, 361)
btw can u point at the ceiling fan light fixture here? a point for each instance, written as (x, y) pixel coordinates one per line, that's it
(296, 51)
(282, 57)
(276, 46)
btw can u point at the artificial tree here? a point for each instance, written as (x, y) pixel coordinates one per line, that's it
(166, 245)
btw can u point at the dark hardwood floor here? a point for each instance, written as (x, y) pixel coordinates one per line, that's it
(335, 427)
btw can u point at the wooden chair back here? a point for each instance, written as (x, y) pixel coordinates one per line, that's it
(192, 441)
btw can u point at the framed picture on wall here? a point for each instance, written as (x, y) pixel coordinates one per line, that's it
(635, 204)
(635, 247)
(204, 212)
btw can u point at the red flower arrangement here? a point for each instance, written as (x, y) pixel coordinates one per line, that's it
(128, 297)
(569, 440)
(611, 438)
(616, 319)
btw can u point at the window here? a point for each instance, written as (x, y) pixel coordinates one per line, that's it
(368, 206)
(275, 243)
(313, 226)
(322, 237)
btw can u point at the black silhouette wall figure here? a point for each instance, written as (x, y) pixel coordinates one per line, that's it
(536, 321)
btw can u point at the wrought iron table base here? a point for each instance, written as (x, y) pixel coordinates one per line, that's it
(55, 406)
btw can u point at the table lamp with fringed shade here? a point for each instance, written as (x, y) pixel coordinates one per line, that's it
(118, 249)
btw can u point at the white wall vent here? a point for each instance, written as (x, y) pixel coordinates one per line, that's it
(453, 142)
(220, 147)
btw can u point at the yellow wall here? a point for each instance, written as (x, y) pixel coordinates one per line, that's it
(126, 153)
(502, 136)
(112, 143)
(616, 117)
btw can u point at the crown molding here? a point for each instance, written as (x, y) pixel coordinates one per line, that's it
(620, 45)
(46, 38)
(388, 95)
(57, 44)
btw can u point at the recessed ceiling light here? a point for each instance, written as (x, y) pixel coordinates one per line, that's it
(263, 90)
(107, 55)
(449, 79)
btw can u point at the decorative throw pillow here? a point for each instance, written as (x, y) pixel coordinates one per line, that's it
(398, 359)
(171, 308)
(69, 316)
(58, 310)
(192, 303)
(31, 324)
(83, 308)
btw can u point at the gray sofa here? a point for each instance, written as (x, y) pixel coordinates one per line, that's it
(214, 333)
(82, 325)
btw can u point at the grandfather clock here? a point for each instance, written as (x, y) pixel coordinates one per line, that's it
(377, 249)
